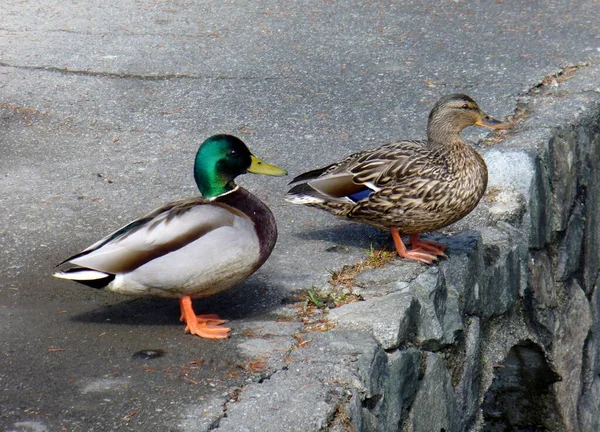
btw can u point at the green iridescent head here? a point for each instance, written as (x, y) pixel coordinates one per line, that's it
(220, 159)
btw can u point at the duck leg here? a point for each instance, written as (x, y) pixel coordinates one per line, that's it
(428, 246)
(414, 254)
(206, 326)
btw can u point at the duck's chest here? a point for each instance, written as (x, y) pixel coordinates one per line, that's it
(452, 197)
(467, 181)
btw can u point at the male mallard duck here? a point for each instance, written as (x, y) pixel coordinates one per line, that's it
(407, 187)
(195, 247)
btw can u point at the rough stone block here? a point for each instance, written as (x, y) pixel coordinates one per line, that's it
(468, 388)
(462, 272)
(434, 407)
(354, 359)
(564, 159)
(400, 388)
(390, 319)
(501, 282)
(589, 408)
(591, 242)
(570, 249)
(293, 400)
(540, 207)
(395, 276)
(440, 317)
(507, 205)
(509, 169)
(572, 326)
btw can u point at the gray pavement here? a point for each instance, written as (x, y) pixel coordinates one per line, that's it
(102, 107)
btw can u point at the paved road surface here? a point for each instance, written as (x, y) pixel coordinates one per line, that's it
(102, 107)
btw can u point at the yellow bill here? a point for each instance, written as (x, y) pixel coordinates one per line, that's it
(259, 166)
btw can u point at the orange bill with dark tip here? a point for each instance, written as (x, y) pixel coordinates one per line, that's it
(491, 123)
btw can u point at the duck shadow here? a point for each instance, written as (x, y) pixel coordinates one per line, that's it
(349, 235)
(364, 236)
(251, 298)
(256, 296)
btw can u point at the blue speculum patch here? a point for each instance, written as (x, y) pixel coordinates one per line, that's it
(360, 195)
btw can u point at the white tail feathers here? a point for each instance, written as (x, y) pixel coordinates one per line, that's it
(303, 199)
(81, 275)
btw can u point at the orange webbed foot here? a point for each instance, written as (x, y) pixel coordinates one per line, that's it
(428, 246)
(208, 331)
(415, 254)
(206, 326)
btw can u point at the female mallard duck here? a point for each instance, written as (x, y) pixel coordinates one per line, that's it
(407, 187)
(194, 247)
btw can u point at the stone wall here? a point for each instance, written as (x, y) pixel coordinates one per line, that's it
(505, 334)
(561, 299)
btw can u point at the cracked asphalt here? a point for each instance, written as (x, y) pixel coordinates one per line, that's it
(102, 107)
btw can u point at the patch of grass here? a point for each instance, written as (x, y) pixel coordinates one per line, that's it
(344, 279)
(344, 276)
(345, 298)
(314, 297)
(312, 303)
(376, 258)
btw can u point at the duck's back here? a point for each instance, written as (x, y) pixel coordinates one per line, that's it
(407, 184)
(240, 242)
(421, 188)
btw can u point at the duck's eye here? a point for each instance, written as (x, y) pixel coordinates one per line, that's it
(232, 153)
(465, 106)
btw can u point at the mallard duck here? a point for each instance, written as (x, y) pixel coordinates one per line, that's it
(194, 247)
(408, 187)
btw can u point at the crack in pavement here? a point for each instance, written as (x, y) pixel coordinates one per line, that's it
(125, 32)
(129, 75)
(562, 74)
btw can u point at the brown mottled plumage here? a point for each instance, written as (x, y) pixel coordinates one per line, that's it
(411, 186)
